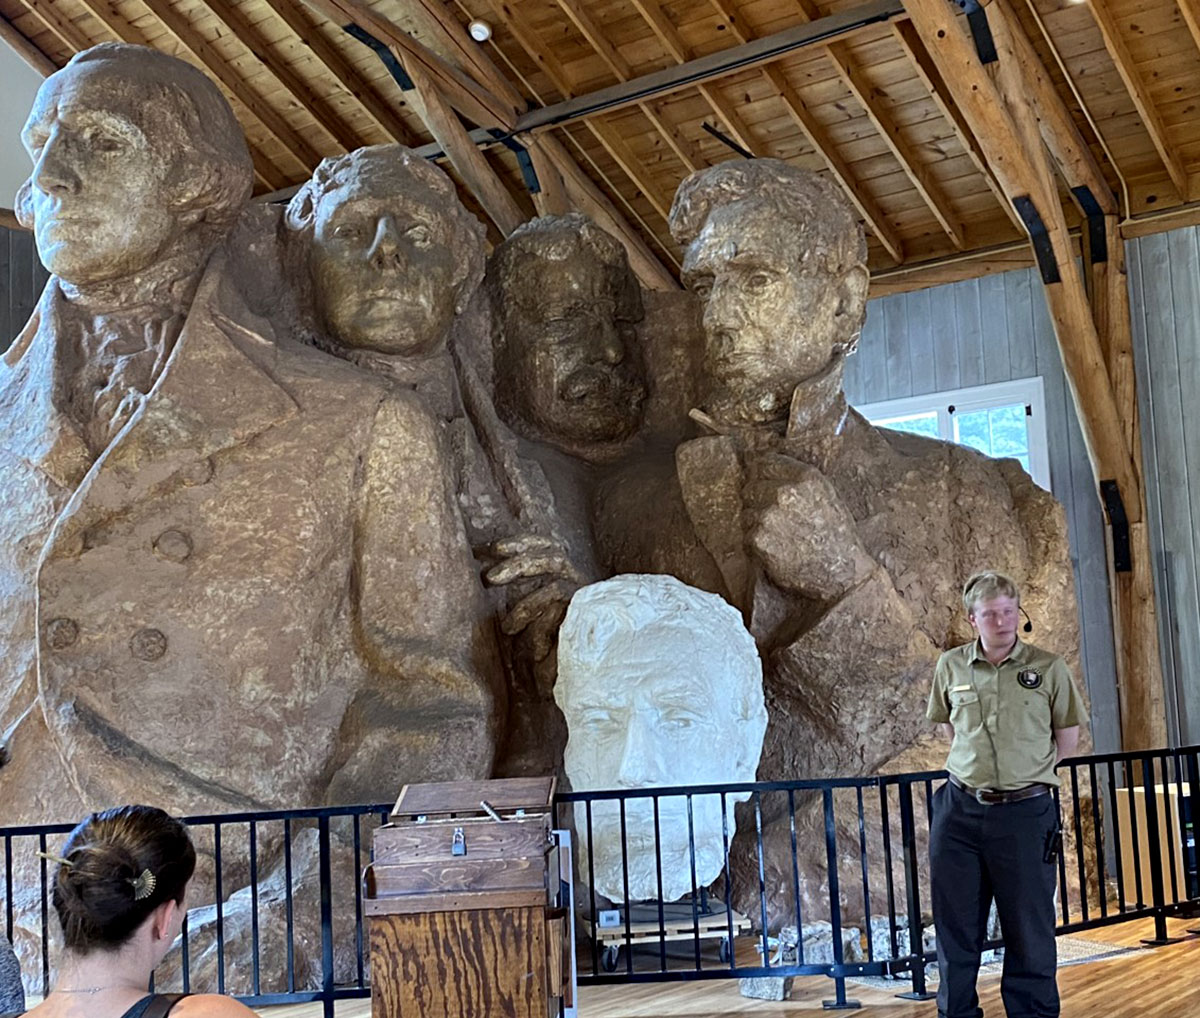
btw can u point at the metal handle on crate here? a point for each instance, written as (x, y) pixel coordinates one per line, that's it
(458, 844)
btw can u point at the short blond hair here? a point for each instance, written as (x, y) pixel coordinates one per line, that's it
(986, 585)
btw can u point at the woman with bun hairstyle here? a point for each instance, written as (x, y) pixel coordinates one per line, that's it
(119, 892)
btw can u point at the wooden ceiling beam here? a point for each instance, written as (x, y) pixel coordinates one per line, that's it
(465, 156)
(330, 57)
(466, 95)
(551, 198)
(669, 36)
(62, 28)
(906, 35)
(1059, 131)
(605, 134)
(920, 176)
(756, 53)
(1190, 9)
(251, 38)
(546, 148)
(819, 139)
(216, 65)
(1110, 32)
(817, 135)
(622, 71)
(25, 49)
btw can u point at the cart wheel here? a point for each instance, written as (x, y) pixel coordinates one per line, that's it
(608, 960)
(723, 951)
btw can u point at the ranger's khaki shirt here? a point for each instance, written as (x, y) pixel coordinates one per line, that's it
(1003, 715)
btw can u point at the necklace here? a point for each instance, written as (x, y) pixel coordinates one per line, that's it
(91, 989)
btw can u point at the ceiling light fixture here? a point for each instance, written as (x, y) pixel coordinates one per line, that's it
(480, 30)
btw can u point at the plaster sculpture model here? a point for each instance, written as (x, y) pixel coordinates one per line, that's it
(661, 685)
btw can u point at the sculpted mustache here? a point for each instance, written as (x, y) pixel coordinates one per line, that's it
(590, 382)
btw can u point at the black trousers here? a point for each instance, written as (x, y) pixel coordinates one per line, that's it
(978, 853)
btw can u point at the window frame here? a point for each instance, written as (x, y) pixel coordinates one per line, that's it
(948, 403)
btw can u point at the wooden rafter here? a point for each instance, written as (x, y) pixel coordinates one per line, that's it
(235, 20)
(1110, 32)
(604, 133)
(1190, 9)
(669, 36)
(928, 188)
(906, 35)
(330, 57)
(26, 50)
(62, 28)
(621, 70)
(465, 156)
(215, 64)
(545, 147)
(1067, 148)
(465, 94)
(818, 138)
(551, 198)
(816, 133)
(997, 104)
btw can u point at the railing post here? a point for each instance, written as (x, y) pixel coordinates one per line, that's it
(912, 878)
(1154, 847)
(326, 917)
(839, 1003)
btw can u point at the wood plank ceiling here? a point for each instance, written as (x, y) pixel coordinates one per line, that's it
(868, 108)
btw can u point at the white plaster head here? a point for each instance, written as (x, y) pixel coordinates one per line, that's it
(661, 685)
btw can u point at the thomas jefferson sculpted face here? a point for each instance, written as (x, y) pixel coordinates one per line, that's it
(133, 151)
(568, 367)
(777, 260)
(393, 254)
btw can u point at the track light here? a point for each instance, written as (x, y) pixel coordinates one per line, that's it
(480, 30)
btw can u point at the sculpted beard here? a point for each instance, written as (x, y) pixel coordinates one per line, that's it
(611, 389)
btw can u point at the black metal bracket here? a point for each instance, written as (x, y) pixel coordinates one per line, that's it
(1097, 239)
(393, 65)
(722, 137)
(1114, 506)
(981, 31)
(528, 173)
(1042, 248)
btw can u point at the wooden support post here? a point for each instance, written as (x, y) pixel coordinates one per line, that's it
(551, 199)
(997, 106)
(1135, 617)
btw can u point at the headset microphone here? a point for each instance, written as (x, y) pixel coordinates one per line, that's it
(1028, 627)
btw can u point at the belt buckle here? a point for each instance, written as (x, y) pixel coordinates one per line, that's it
(979, 796)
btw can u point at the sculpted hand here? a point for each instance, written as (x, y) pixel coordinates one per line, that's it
(543, 564)
(801, 531)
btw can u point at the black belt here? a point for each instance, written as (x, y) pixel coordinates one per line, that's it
(990, 797)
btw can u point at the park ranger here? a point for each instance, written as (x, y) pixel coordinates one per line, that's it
(1011, 711)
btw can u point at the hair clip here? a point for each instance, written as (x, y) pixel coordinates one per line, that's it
(143, 885)
(51, 857)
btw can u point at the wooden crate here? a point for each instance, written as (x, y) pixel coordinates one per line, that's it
(459, 896)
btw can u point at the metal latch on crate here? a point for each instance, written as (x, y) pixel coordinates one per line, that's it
(458, 844)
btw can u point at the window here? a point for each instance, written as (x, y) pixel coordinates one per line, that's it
(1005, 419)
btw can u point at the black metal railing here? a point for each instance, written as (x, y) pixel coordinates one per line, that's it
(844, 861)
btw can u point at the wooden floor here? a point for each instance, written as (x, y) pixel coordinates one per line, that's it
(1154, 983)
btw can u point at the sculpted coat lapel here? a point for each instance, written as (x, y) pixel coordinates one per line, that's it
(200, 601)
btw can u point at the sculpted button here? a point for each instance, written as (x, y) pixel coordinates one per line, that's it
(200, 472)
(173, 545)
(148, 644)
(61, 633)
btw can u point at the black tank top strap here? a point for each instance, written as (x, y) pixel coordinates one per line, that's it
(157, 1005)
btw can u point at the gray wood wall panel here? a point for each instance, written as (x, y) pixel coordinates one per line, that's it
(21, 281)
(1164, 275)
(989, 330)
